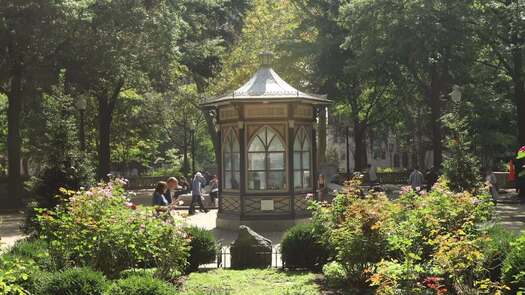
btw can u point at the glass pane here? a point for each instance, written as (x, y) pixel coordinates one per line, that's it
(236, 179)
(297, 144)
(269, 135)
(297, 179)
(306, 160)
(227, 180)
(227, 161)
(227, 146)
(235, 144)
(236, 157)
(256, 161)
(297, 160)
(306, 145)
(276, 180)
(257, 180)
(276, 145)
(256, 145)
(306, 179)
(276, 161)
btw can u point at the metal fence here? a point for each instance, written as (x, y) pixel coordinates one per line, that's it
(223, 259)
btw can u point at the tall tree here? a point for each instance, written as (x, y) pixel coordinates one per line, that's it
(347, 65)
(121, 45)
(501, 28)
(31, 36)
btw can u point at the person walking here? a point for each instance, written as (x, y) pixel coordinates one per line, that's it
(372, 175)
(492, 182)
(416, 179)
(519, 164)
(214, 190)
(196, 193)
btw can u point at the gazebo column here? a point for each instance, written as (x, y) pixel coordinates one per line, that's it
(242, 166)
(314, 156)
(220, 175)
(291, 193)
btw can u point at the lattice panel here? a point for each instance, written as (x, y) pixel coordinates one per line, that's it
(301, 204)
(231, 204)
(280, 205)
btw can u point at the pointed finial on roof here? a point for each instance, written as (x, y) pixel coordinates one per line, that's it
(266, 58)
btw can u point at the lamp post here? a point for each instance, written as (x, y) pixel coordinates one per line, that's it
(81, 105)
(192, 132)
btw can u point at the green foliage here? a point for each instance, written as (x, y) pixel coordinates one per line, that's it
(302, 247)
(141, 285)
(35, 251)
(75, 281)
(461, 166)
(252, 281)
(99, 228)
(15, 275)
(513, 271)
(335, 274)
(415, 243)
(203, 247)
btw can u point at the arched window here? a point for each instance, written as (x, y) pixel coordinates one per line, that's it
(266, 161)
(301, 160)
(231, 162)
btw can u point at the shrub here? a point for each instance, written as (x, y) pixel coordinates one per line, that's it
(513, 270)
(45, 189)
(35, 250)
(414, 244)
(302, 248)
(496, 249)
(14, 275)
(203, 247)
(141, 285)
(99, 228)
(75, 281)
(335, 274)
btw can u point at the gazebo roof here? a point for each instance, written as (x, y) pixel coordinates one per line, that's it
(266, 85)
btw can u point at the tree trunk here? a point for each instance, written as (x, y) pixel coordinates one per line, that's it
(360, 156)
(106, 105)
(14, 143)
(185, 162)
(519, 92)
(104, 133)
(435, 117)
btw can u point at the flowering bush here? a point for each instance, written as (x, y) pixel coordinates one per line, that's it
(417, 244)
(101, 229)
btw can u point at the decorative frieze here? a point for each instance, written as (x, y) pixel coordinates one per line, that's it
(265, 111)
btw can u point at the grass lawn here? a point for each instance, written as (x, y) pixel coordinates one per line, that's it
(251, 281)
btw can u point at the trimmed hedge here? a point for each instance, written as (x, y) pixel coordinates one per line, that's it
(203, 248)
(141, 285)
(302, 248)
(75, 281)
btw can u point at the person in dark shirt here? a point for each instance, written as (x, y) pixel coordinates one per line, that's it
(158, 195)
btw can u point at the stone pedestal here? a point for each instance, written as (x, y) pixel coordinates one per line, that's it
(250, 250)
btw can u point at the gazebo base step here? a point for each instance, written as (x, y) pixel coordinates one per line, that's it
(259, 225)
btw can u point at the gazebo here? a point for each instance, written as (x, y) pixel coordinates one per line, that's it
(267, 138)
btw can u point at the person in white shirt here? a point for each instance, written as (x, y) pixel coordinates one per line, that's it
(416, 179)
(372, 176)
